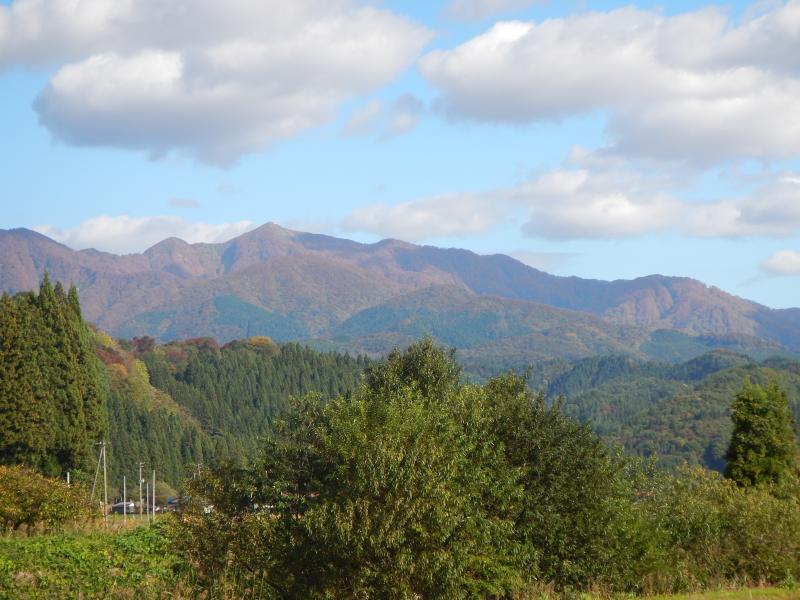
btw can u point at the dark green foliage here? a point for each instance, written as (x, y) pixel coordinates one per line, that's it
(420, 486)
(156, 436)
(763, 447)
(52, 401)
(64, 387)
(392, 492)
(26, 417)
(236, 392)
(676, 413)
(576, 515)
(144, 424)
(237, 318)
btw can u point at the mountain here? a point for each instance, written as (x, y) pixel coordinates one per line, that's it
(292, 285)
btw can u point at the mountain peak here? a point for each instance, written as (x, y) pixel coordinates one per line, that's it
(167, 245)
(23, 233)
(267, 230)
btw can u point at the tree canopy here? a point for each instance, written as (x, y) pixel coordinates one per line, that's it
(763, 447)
(416, 485)
(52, 395)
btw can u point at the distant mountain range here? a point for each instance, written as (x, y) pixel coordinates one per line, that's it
(334, 292)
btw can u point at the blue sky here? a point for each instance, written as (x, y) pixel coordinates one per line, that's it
(600, 139)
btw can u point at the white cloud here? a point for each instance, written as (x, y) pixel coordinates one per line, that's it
(124, 234)
(773, 210)
(472, 10)
(696, 86)
(785, 262)
(590, 203)
(363, 121)
(207, 79)
(400, 117)
(450, 215)
(404, 115)
(580, 204)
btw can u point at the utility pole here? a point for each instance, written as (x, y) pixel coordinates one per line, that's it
(124, 500)
(105, 486)
(148, 503)
(154, 495)
(97, 470)
(141, 481)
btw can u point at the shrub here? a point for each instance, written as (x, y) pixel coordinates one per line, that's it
(707, 530)
(30, 500)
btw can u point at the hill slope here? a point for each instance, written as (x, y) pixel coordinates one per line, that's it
(676, 412)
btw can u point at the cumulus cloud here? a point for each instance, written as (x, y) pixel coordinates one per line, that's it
(785, 262)
(207, 79)
(571, 204)
(772, 210)
(124, 234)
(472, 10)
(584, 203)
(451, 215)
(696, 86)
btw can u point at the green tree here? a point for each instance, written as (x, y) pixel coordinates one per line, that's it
(762, 448)
(26, 430)
(400, 490)
(575, 523)
(52, 401)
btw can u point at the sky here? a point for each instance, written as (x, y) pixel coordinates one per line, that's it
(600, 139)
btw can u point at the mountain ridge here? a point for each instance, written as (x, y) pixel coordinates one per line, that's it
(314, 284)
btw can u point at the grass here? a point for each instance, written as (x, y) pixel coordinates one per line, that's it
(747, 594)
(132, 563)
(136, 562)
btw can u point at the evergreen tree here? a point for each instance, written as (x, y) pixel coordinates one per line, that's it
(52, 402)
(762, 448)
(26, 420)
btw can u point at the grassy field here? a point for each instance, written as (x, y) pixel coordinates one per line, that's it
(749, 594)
(134, 563)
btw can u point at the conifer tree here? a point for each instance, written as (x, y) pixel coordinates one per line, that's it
(25, 418)
(762, 448)
(52, 402)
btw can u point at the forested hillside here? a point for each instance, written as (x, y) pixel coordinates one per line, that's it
(145, 425)
(674, 412)
(235, 392)
(65, 387)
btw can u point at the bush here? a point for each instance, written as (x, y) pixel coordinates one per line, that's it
(706, 530)
(29, 500)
